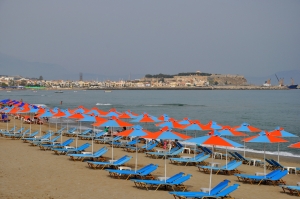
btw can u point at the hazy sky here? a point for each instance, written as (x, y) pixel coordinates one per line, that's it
(149, 37)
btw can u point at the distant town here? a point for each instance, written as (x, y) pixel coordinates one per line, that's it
(191, 80)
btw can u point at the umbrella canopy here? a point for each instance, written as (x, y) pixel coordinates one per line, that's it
(228, 131)
(145, 117)
(127, 115)
(212, 125)
(245, 127)
(135, 131)
(185, 121)
(214, 140)
(264, 137)
(167, 134)
(280, 132)
(295, 145)
(164, 117)
(170, 124)
(113, 122)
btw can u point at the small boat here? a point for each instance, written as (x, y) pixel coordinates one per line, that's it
(107, 91)
(58, 91)
(292, 85)
(8, 91)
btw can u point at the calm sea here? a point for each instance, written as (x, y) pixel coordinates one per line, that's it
(265, 109)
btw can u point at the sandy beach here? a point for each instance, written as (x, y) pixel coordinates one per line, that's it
(28, 172)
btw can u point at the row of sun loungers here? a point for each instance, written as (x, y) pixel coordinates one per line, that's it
(293, 190)
(221, 190)
(198, 159)
(143, 177)
(274, 177)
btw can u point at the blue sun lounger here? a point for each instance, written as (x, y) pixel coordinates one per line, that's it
(114, 164)
(246, 177)
(117, 173)
(17, 135)
(26, 134)
(84, 155)
(207, 169)
(215, 190)
(38, 138)
(242, 158)
(71, 150)
(192, 160)
(175, 184)
(44, 141)
(224, 193)
(274, 179)
(293, 190)
(91, 136)
(151, 183)
(56, 145)
(145, 173)
(58, 132)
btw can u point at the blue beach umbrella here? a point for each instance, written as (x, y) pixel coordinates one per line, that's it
(280, 132)
(88, 118)
(135, 131)
(264, 137)
(167, 134)
(114, 122)
(245, 127)
(214, 140)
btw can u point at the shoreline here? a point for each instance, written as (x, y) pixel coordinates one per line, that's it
(167, 88)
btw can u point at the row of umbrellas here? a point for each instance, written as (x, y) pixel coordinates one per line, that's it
(214, 138)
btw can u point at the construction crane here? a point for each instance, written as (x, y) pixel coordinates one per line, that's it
(280, 81)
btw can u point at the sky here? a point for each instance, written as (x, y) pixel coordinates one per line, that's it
(254, 38)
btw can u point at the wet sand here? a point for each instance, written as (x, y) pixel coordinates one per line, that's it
(28, 172)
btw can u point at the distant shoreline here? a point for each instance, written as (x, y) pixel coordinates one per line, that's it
(167, 88)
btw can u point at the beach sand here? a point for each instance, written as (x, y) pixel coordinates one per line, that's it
(28, 172)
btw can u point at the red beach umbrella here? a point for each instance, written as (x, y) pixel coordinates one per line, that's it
(295, 145)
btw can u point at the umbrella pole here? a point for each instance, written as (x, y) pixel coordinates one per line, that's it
(112, 143)
(265, 159)
(244, 147)
(165, 168)
(278, 153)
(93, 140)
(136, 153)
(226, 157)
(210, 176)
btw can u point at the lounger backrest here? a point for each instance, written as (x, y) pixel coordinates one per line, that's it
(219, 187)
(83, 147)
(173, 150)
(235, 156)
(272, 173)
(234, 166)
(100, 151)
(228, 190)
(174, 177)
(181, 180)
(228, 164)
(67, 142)
(149, 170)
(240, 156)
(48, 135)
(177, 152)
(203, 158)
(144, 168)
(279, 175)
(270, 162)
(100, 134)
(199, 155)
(32, 134)
(151, 146)
(123, 161)
(55, 138)
(277, 164)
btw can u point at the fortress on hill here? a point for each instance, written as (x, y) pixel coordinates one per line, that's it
(194, 79)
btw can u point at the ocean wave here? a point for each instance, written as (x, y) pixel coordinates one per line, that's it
(100, 104)
(175, 104)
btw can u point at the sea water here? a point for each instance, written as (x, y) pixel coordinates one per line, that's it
(264, 109)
